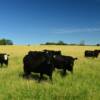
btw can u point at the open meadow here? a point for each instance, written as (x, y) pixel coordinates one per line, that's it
(83, 84)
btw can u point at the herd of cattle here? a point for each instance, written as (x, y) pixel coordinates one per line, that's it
(45, 62)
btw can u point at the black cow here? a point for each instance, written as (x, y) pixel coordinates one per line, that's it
(38, 62)
(64, 62)
(93, 54)
(4, 59)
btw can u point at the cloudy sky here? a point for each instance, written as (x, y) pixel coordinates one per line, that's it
(40, 21)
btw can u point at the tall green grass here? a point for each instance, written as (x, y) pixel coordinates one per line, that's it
(83, 84)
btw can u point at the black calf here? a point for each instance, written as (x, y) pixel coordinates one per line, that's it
(4, 59)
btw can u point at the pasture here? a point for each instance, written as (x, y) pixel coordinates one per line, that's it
(83, 84)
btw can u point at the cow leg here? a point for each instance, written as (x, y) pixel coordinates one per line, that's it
(6, 63)
(71, 69)
(50, 77)
(26, 74)
(41, 76)
(1, 64)
(64, 72)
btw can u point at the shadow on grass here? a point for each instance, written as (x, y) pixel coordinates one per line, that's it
(62, 74)
(33, 77)
(4, 66)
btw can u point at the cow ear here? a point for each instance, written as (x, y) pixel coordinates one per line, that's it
(8, 55)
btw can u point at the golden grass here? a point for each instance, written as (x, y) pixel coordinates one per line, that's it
(84, 84)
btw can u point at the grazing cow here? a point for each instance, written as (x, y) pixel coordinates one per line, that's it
(89, 53)
(38, 62)
(4, 59)
(64, 62)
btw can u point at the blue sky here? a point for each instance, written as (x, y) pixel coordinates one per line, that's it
(40, 21)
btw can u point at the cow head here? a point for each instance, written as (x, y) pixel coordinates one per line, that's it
(70, 68)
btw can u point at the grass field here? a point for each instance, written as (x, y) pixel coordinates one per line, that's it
(83, 84)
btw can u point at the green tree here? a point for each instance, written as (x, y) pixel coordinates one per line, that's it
(6, 42)
(61, 43)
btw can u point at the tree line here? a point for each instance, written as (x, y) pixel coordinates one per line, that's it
(81, 43)
(6, 42)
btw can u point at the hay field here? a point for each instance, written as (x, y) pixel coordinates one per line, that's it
(84, 84)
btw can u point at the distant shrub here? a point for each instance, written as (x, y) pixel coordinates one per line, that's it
(55, 43)
(6, 42)
(97, 44)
